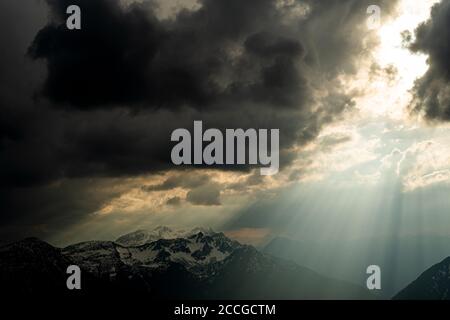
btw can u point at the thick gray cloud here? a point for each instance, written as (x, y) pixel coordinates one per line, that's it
(175, 201)
(102, 102)
(170, 64)
(149, 76)
(187, 181)
(432, 91)
(207, 195)
(201, 190)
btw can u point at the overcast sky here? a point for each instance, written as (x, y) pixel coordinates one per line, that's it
(86, 117)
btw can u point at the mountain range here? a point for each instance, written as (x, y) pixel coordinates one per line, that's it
(195, 264)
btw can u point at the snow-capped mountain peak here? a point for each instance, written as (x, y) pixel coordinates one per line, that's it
(141, 237)
(204, 264)
(193, 249)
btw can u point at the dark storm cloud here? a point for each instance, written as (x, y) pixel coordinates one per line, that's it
(432, 91)
(107, 62)
(227, 52)
(46, 210)
(128, 79)
(128, 56)
(102, 102)
(22, 132)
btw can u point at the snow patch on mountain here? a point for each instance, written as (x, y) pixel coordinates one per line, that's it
(198, 248)
(141, 237)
